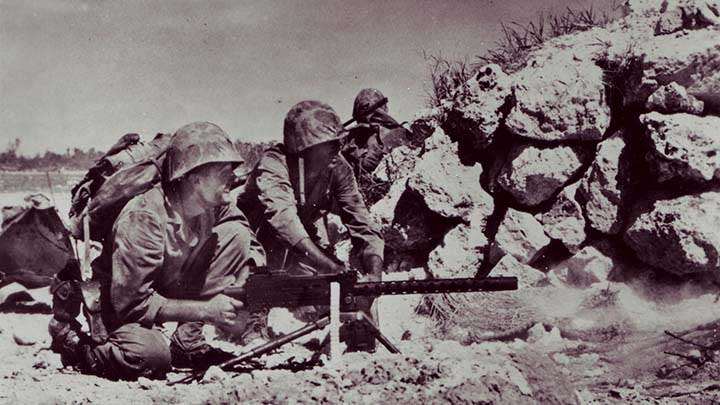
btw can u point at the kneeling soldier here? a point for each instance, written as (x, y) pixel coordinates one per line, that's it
(295, 184)
(171, 253)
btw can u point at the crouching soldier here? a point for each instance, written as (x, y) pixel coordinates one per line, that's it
(376, 134)
(171, 253)
(296, 183)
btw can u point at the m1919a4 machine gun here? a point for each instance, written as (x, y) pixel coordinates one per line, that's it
(266, 289)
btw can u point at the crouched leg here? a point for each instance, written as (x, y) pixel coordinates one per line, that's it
(131, 351)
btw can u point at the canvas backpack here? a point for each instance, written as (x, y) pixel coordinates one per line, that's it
(129, 168)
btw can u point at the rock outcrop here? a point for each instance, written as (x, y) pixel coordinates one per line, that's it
(474, 113)
(606, 135)
(519, 235)
(533, 174)
(679, 236)
(565, 221)
(684, 146)
(603, 185)
(560, 100)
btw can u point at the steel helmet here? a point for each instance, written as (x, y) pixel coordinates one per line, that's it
(197, 144)
(310, 123)
(363, 101)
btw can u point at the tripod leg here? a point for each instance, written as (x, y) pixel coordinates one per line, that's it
(370, 325)
(260, 350)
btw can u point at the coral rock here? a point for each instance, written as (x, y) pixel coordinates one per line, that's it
(462, 250)
(532, 175)
(565, 221)
(603, 185)
(447, 187)
(684, 146)
(680, 236)
(560, 100)
(474, 113)
(519, 235)
(673, 98)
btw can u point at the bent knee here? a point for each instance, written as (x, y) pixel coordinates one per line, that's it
(144, 351)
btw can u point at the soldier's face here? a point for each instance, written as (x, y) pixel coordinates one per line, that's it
(319, 156)
(212, 184)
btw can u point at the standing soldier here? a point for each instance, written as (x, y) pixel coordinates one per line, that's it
(376, 134)
(171, 253)
(296, 183)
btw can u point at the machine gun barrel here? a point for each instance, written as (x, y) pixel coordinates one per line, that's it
(435, 286)
(271, 290)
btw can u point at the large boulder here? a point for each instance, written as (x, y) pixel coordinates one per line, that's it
(677, 15)
(474, 113)
(684, 146)
(565, 221)
(674, 98)
(398, 169)
(527, 276)
(397, 164)
(519, 235)
(422, 206)
(679, 236)
(462, 250)
(689, 58)
(559, 100)
(583, 269)
(532, 174)
(603, 185)
(447, 187)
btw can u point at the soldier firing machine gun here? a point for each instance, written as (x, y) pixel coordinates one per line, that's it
(265, 289)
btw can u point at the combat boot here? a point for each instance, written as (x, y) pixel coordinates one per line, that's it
(73, 345)
(200, 358)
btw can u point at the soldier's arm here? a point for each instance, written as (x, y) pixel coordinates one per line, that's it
(381, 143)
(373, 154)
(138, 249)
(277, 197)
(349, 205)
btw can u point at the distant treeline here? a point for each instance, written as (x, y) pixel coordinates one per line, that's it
(78, 159)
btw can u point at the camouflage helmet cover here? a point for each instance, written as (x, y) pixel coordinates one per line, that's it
(197, 144)
(363, 101)
(310, 123)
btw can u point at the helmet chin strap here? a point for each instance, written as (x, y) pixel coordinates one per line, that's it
(301, 180)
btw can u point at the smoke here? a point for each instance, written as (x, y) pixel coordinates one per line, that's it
(627, 308)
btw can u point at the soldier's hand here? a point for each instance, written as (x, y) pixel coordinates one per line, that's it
(222, 310)
(373, 264)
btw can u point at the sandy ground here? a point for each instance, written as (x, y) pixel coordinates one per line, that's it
(593, 348)
(542, 365)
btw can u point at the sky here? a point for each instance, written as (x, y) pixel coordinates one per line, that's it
(80, 73)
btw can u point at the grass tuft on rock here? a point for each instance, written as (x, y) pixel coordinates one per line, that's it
(511, 51)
